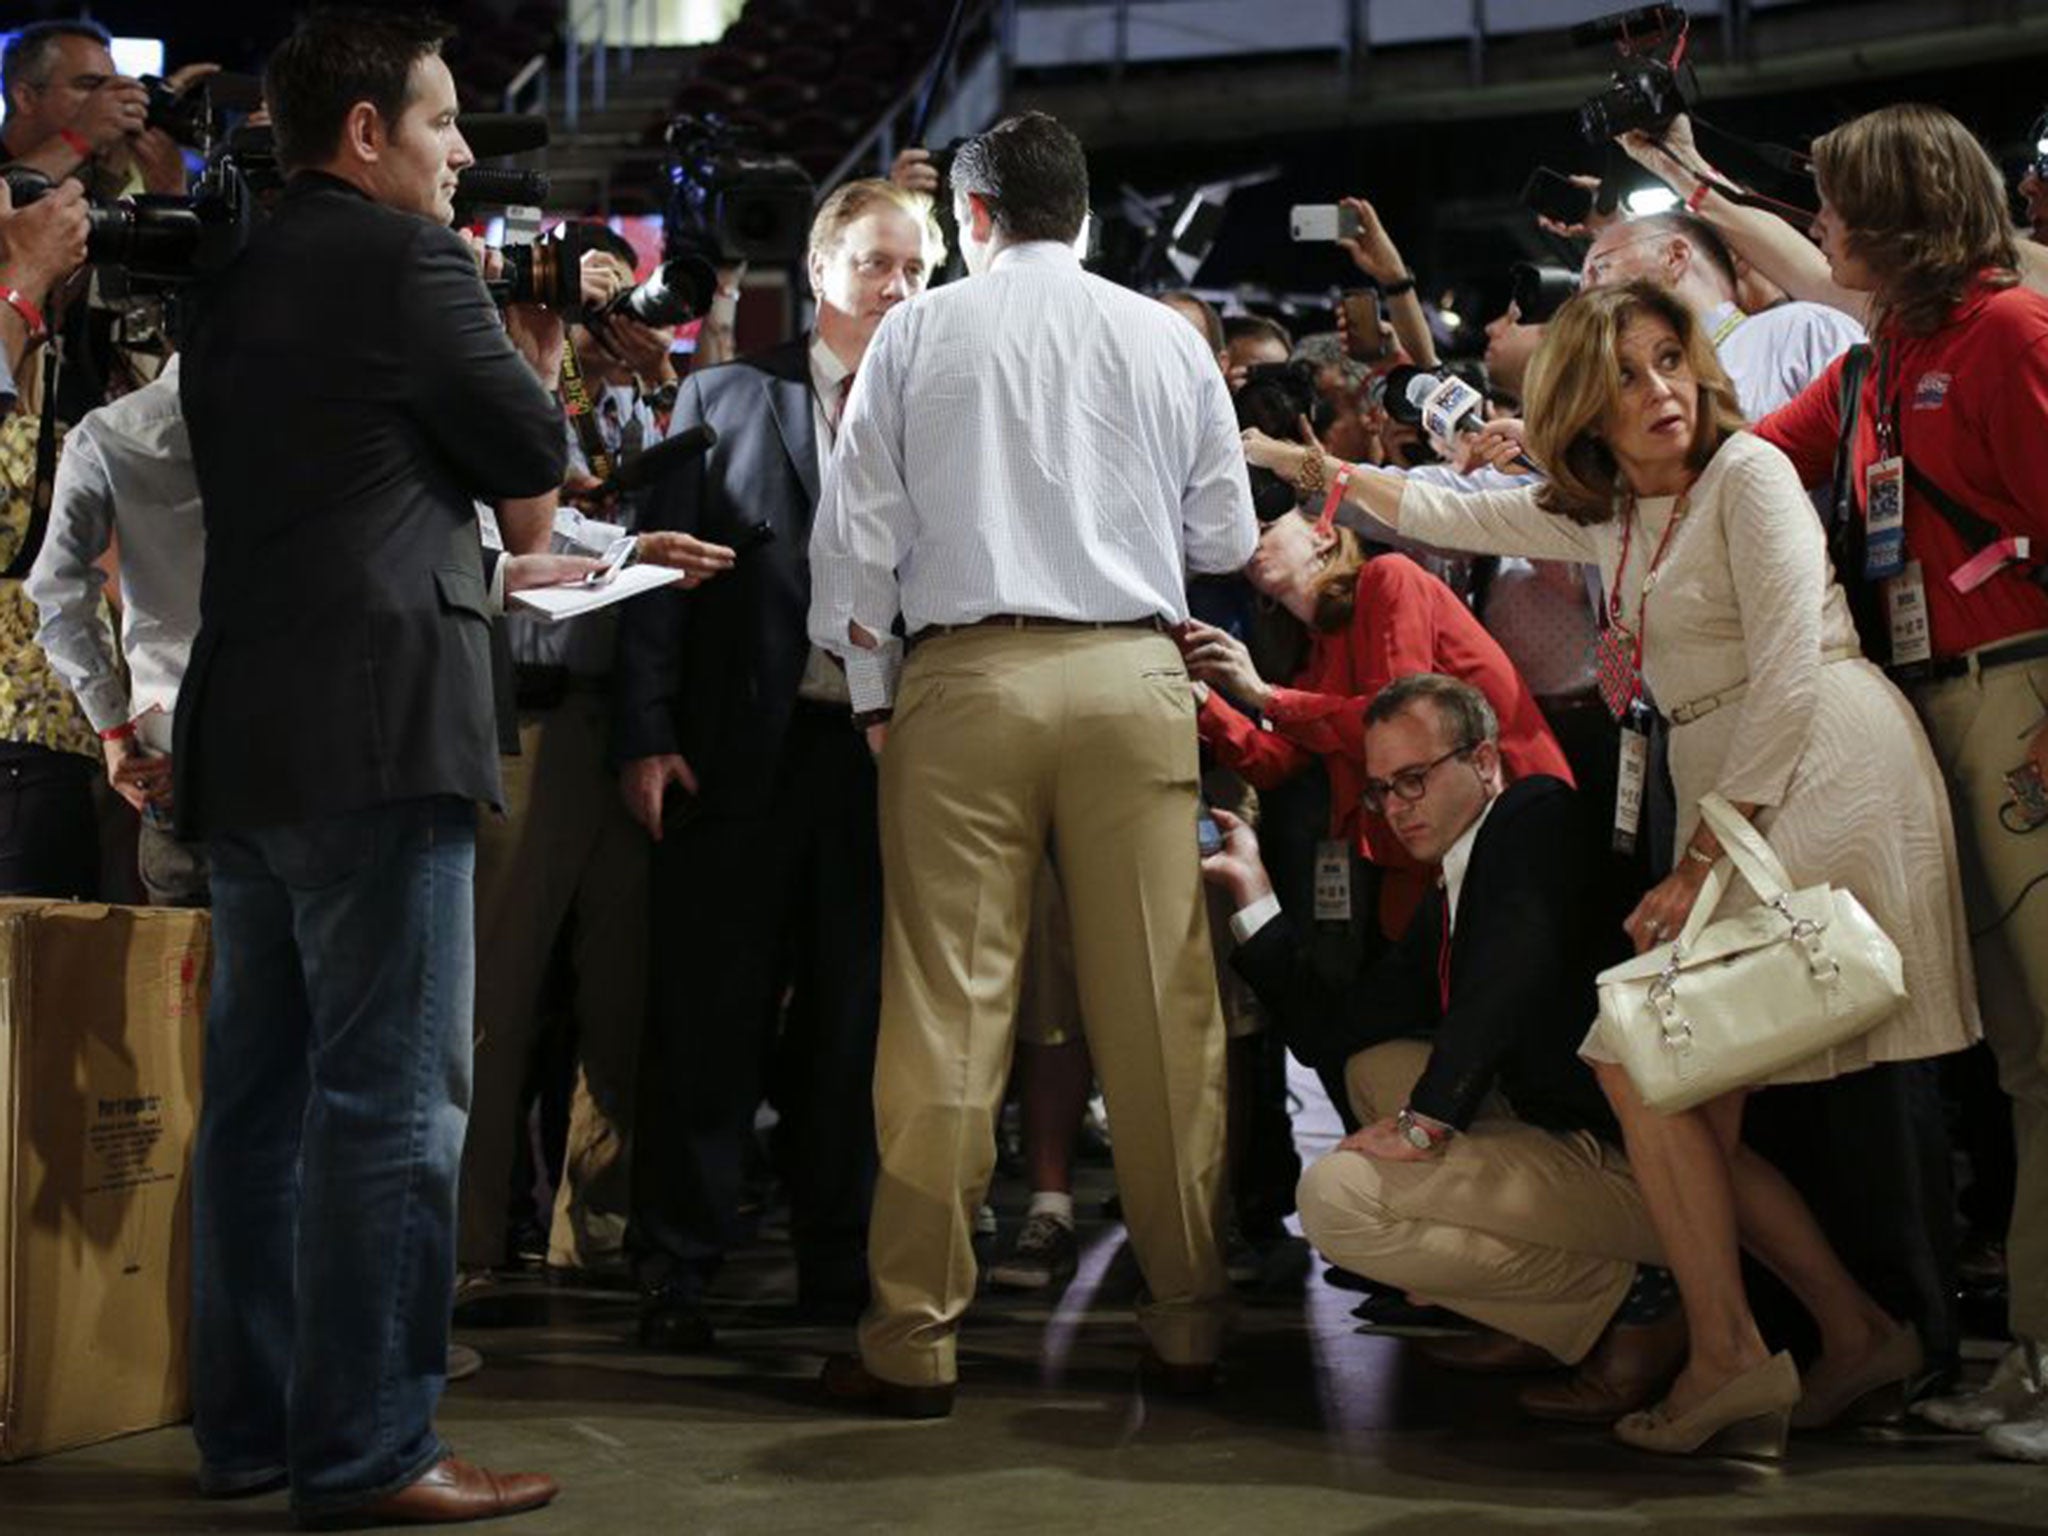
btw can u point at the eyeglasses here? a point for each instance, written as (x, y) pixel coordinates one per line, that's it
(1410, 784)
(1599, 267)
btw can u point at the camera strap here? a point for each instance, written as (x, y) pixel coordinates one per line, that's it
(46, 476)
(583, 413)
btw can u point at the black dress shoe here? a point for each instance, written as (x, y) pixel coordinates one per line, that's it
(673, 1320)
(848, 1382)
(1177, 1378)
(1390, 1309)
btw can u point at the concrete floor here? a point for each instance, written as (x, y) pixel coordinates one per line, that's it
(1316, 1429)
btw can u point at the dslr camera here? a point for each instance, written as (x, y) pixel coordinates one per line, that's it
(1652, 84)
(159, 241)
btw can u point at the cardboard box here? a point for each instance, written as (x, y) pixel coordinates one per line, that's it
(102, 1015)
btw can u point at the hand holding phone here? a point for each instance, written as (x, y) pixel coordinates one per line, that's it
(1324, 221)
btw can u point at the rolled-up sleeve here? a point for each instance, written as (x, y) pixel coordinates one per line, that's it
(65, 585)
(864, 522)
(1217, 522)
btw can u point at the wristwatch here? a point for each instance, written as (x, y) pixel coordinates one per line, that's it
(1421, 1137)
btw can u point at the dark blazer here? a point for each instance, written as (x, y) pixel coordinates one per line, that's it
(713, 673)
(1523, 959)
(350, 393)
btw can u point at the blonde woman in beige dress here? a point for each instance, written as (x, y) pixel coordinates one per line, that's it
(1711, 554)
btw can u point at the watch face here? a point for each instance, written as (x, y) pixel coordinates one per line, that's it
(1418, 1138)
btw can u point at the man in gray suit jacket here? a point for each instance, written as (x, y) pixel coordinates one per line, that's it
(741, 760)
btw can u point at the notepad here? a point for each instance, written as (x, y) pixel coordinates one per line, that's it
(557, 603)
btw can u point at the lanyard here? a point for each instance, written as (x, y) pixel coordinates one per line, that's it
(1889, 439)
(583, 414)
(1726, 329)
(1622, 689)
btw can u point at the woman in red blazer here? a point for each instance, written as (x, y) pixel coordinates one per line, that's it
(1371, 620)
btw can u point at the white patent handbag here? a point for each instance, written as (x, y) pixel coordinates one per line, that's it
(1731, 1003)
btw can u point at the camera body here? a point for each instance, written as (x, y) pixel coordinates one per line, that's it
(728, 203)
(155, 240)
(1652, 84)
(1539, 291)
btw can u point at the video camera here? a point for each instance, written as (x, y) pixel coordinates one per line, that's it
(1652, 84)
(728, 203)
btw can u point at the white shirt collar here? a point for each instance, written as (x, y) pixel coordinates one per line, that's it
(826, 372)
(1459, 856)
(1037, 253)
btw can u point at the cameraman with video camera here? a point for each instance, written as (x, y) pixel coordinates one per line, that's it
(349, 389)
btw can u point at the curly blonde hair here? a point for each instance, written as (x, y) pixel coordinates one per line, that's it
(1924, 207)
(1574, 387)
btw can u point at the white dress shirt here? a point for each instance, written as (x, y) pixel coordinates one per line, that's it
(824, 681)
(1249, 919)
(125, 473)
(1774, 354)
(1035, 440)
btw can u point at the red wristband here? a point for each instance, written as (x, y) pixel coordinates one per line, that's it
(1696, 196)
(26, 307)
(76, 142)
(125, 731)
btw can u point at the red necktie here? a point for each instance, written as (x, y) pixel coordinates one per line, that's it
(1443, 957)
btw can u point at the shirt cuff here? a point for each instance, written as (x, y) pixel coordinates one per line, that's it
(105, 703)
(495, 599)
(1250, 920)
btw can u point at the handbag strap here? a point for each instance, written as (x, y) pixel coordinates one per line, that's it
(1743, 852)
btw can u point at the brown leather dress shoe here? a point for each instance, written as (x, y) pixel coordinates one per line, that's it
(1631, 1367)
(1489, 1353)
(847, 1381)
(452, 1491)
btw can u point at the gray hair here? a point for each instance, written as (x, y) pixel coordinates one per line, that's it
(1462, 710)
(1325, 349)
(32, 52)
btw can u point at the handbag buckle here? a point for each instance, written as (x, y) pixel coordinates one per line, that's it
(1662, 995)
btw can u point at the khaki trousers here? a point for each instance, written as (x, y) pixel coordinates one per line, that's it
(1005, 740)
(1536, 1233)
(564, 852)
(1979, 724)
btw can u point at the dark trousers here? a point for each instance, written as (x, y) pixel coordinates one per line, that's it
(49, 832)
(742, 908)
(1870, 1154)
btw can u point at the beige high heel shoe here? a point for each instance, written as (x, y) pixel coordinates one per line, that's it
(1746, 1416)
(1872, 1389)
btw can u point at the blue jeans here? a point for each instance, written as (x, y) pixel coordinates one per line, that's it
(330, 1136)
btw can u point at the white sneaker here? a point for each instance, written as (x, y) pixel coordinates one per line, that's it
(2016, 1394)
(2020, 1439)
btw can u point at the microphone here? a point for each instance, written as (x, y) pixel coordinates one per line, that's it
(502, 133)
(652, 463)
(1450, 408)
(486, 187)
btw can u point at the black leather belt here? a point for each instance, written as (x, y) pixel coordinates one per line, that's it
(1037, 621)
(541, 687)
(1945, 667)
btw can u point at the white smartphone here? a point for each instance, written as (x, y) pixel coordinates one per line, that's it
(614, 561)
(1323, 221)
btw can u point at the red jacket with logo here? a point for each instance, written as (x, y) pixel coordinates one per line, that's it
(1973, 418)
